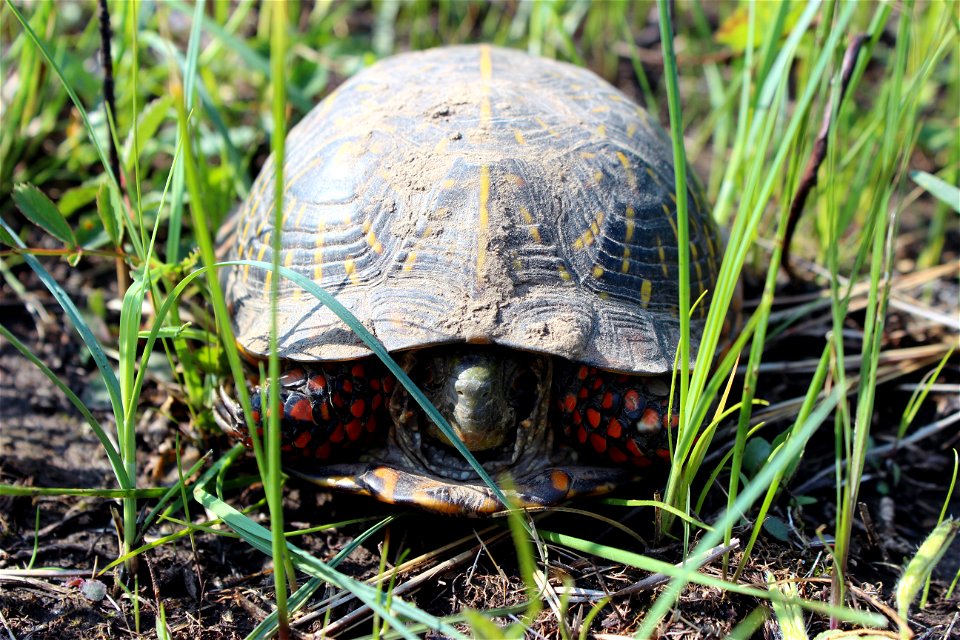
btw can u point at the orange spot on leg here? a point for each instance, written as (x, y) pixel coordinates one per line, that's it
(560, 481)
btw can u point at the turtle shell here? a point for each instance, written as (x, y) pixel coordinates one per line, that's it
(475, 194)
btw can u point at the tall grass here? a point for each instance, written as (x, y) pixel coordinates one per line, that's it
(189, 127)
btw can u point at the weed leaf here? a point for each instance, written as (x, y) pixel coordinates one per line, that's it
(41, 211)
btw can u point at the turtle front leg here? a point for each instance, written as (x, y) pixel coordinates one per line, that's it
(326, 408)
(621, 417)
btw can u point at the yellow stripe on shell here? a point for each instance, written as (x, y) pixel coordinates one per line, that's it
(486, 63)
(302, 210)
(486, 73)
(646, 289)
(625, 163)
(545, 127)
(528, 218)
(374, 242)
(484, 217)
(294, 178)
(318, 252)
(518, 136)
(409, 262)
(602, 131)
(673, 224)
(663, 257)
(350, 268)
(653, 176)
(255, 203)
(564, 274)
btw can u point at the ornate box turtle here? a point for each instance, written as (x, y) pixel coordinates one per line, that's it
(506, 225)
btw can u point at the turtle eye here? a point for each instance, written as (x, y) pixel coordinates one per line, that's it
(425, 377)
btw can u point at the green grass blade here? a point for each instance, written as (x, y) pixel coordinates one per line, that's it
(940, 189)
(76, 319)
(251, 58)
(274, 488)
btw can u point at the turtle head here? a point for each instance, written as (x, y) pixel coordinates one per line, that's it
(495, 400)
(477, 392)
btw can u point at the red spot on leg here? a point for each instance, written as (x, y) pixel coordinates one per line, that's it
(323, 451)
(582, 372)
(593, 418)
(607, 401)
(357, 371)
(358, 407)
(569, 402)
(631, 401)
(302, 440)
(302, 411)
(598, 442)
(317, 383)
(337, 435)
(354, 429)
(614, 429)
(642, 461)
(582, 435)
(617, 455)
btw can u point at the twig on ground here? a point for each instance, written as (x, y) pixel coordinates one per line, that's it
(657, 579)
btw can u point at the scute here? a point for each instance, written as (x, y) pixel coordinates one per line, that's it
(475, 194)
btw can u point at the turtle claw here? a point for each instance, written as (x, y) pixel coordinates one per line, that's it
(228, 415)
